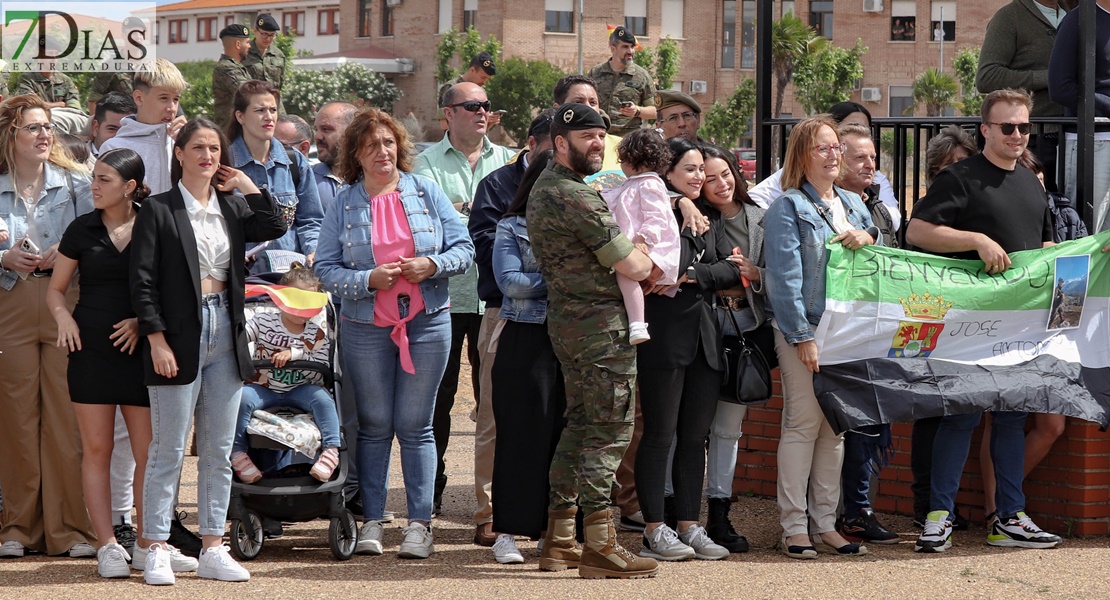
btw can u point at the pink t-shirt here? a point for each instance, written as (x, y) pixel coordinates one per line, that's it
(392, 238)
(642, 209)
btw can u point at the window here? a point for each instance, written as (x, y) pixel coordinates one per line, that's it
(157, 31)
(672, 16)
(558, 16)
(470, 14)
(179, 31)
(901, 99)
(943, 20)
(903, 21)
(327, 21)
(787, 7)
(445, 8)
(728, 34)
(387, 19)
(821, 18)
(228, 20)
(747, 36)
(206, 29)
(635, 17)
(364, 18)
(292, 23)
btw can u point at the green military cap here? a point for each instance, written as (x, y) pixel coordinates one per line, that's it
(575, 116)
(266, 22)
(665, 98)
(235, 31)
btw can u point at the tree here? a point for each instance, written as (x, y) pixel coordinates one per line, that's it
(726, 121)
(645, 57)
(825, 75)
(935, 91)
(445, 52)
(305, 91)
(789, 40)
(471, 44)
(197, 99)
(667, 60)
(522, 88)
(966, 65)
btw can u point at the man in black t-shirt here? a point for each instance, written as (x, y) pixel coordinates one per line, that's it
(982, 208)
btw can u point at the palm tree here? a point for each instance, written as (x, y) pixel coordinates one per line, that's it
(936, 91)
(790, 39)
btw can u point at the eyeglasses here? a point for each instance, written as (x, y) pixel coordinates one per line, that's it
(472, 105)
(266, 35)
(826, 150)
(1008, 128)
(37, 128)
(689, 117)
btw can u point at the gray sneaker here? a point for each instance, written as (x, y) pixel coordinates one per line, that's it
(704, 548)
(417, 543)
(370, 539)
(663, 544)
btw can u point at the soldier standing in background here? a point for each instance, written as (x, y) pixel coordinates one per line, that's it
(229, 72)
(117, 81)
(625, 89)
(265, 61)
(481, 69)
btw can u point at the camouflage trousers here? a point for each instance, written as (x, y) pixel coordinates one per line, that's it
(600, 375)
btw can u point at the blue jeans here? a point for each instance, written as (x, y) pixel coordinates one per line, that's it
(855, 475)
(307, 397)
(391, 402)
(214, 398)
(724, 433)
(953, 441)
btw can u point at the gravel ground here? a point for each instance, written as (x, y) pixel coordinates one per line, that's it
(300, 566)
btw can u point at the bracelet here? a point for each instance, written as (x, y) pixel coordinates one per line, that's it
(637, 112)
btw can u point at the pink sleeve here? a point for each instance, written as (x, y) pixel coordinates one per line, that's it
(659, 228)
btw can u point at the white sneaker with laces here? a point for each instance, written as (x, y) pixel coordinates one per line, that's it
(216, 563)
(156, 567)
(505, 550)
(111, 561)
(82, 550)
(704, 548)
(417, 543)
(11, 549)
(370, 539)
(178, 561)
(638, 333)
(663, 544)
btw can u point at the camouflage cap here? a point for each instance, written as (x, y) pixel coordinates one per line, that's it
(235, 30)
(575, 116)
(266, 22)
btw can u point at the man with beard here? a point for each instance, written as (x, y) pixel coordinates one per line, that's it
(626, 90)
(578, 245)
(229, 72)
(331, 122)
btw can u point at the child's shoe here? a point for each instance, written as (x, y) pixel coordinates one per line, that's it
(326, 464)
(638, 333)
(244, 467)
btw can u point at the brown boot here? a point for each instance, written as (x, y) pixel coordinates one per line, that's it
(560, 551)
(605, 558)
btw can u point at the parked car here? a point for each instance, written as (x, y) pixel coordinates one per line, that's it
(745, 158)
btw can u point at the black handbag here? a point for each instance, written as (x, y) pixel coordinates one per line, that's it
(747, 376)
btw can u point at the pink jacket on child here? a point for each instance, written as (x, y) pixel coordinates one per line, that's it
(642, 209)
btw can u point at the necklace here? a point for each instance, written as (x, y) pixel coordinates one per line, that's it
(117, 231)
(27, 192)
(739, 210)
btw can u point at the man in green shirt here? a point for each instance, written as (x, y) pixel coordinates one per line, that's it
(265, 61)
(229, 72)
(625, 89)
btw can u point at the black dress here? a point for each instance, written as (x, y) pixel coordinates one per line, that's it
(99, 373)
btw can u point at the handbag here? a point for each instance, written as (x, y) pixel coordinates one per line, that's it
(747, 376)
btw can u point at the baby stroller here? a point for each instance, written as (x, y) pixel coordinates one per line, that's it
(298, 498)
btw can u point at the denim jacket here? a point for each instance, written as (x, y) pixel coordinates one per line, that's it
(299, 205)
(517, 274)
(64, 196)
(345, 255)
(794, 248)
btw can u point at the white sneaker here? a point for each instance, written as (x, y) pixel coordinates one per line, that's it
(82, 550)
(704, 548)
(178, 561)
(370, 539)
(111, 561)
(11, 549)
(216, 563)
(417, 543)
(157, 569)
(663, 544)
(637, 333)
(505, 550)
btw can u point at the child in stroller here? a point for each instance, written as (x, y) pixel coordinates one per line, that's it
(291, 334)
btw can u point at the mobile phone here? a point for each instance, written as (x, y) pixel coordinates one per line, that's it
(626, 104)
(744, 280)
(500, 112)
(28, 246)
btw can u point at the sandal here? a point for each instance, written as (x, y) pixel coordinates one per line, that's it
(800, 552)
(244, 467)
(326, 464)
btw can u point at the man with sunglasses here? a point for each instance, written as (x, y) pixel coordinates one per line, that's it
(983, 208)
(265, 61)
(458, 163)
(481, 69)
(679, 115)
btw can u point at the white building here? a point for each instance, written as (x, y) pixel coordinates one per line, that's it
(189, 31)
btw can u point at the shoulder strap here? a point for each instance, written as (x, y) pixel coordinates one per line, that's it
(294, 166)
(72, 191)
(819, 207)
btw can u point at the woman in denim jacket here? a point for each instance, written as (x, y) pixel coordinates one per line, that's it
(256, 153)
(797, 225)
(42, 189)
(528, 394)
(386, 249)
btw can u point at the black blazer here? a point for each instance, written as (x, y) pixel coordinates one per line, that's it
(165, 275)
(679, 324)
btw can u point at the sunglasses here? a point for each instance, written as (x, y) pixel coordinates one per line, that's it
(1008, 128)
(473, 105)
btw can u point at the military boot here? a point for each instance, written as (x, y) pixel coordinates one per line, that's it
(605, 558)
(560, 551)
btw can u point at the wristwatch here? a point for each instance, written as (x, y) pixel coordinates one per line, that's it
(691, 274)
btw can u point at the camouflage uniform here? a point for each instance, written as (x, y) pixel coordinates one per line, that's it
(441, 93)
(227, 76)
(576, 242)
(267, 67)
(104, 83)
(633, 84)
(58, 87)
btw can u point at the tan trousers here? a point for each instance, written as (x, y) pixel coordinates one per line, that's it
(625, 496)
(485, 431)
(40, 448)
(810, 454)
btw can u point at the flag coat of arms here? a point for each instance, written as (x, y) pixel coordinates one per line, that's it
(907, 335)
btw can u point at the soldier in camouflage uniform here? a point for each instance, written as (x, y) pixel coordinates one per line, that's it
(578, 245)
(116, 81)
(56, 89)
(481, 69)
(619, 80)
(229, 72)
(265, 61)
